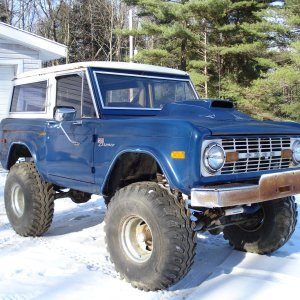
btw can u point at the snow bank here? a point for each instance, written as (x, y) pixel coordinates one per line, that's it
(71, 262)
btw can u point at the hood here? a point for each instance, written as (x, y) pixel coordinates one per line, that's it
(221, 118)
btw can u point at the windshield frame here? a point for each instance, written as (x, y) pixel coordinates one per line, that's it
(160, 76)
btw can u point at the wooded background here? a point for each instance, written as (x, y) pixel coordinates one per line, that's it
(247, 51)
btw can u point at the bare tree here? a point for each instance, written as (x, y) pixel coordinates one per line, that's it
(87, 27)
(19, 13)
(93, 34)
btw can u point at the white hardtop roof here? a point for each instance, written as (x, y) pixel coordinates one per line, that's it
(101, 64)
(48, 49)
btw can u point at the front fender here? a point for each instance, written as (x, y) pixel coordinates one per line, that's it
(176, 171)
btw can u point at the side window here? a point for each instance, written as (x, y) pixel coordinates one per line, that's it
(88, 109)
(68, 92)
(73, 90)
(29, 97)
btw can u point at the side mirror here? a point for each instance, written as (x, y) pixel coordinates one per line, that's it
(64, 114)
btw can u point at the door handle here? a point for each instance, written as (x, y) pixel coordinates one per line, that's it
(77, 123)
(49, 123)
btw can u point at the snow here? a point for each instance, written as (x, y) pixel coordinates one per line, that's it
(71, 262)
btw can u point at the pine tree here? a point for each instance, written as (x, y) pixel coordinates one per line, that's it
(167, 33)
(278, 90)
(217, 41)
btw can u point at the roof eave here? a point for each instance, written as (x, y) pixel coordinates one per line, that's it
(48, 50)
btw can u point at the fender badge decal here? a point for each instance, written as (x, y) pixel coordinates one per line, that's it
(101, 143)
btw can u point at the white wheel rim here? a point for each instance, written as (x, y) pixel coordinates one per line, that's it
(136, 238)
(18, 200)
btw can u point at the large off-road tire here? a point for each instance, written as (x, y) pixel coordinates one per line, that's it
(29, 201)
(276, 223)
(149, 236)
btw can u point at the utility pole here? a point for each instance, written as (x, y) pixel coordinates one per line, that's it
(130, 37)
(205, 42)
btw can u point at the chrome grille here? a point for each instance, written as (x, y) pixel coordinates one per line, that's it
(256, 154)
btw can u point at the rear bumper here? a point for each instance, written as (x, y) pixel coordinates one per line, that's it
(270, 186)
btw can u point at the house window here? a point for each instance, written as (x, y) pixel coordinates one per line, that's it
(73, 91)
(29, 97)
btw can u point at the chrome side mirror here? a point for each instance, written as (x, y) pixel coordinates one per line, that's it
(64, 114)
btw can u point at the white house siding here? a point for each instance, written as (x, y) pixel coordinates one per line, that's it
(15, 51)
(6, 75)
(22, 51)
(32, 64)
(14, 59)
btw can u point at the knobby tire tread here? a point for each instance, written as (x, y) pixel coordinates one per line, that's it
(285, 223)
(178, 228)
(42, 197)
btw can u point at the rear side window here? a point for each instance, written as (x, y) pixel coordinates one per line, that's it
(29, 97)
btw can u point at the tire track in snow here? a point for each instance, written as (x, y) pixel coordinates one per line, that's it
(90, 263)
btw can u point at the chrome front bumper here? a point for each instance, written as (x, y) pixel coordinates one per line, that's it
(270, 186)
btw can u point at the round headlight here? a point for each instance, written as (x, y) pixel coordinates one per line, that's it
(296, 152)
(214, 157)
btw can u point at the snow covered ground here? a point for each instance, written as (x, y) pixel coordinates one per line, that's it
(71, 262)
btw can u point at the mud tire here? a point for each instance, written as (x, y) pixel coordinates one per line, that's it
(29, 201)
(167, 220)
(277, 225)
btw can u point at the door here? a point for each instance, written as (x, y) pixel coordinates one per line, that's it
(70, 144)
(7, 73)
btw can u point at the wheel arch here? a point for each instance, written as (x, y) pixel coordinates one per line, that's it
(133, 166)
(19, 150)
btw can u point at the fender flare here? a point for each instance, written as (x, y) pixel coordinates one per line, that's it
(151, 152)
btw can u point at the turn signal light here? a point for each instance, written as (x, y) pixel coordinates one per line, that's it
(178, 154)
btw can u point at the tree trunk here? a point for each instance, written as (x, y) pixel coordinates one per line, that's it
(205, 60)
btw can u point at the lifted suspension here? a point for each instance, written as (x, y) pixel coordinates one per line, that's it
(214, 220)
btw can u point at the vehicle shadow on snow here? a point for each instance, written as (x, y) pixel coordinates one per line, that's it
(215, 258)
(77, 218)
(211, 252)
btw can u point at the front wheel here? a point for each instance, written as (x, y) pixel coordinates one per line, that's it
(29, 201)
(149, 236)
(275, 222)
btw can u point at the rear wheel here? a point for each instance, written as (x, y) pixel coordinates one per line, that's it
(275, 222)
(149, 236)
(29, 201)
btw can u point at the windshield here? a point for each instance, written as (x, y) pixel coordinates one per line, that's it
(125, 91)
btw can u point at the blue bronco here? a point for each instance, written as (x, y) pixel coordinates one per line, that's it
(167, 164)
